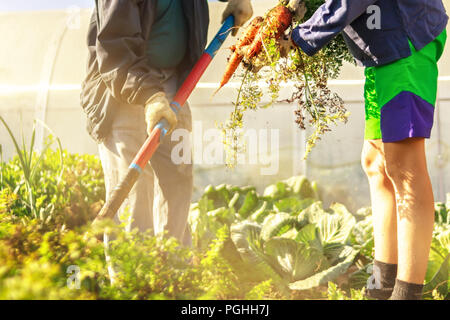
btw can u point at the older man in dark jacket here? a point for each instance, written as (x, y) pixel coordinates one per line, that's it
(399, 42)
(140, 51)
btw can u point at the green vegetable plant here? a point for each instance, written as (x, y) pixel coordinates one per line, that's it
(29, 164)
(281, 243)
(52, 185)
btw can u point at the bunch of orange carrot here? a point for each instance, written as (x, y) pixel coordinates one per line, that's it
(276, 22)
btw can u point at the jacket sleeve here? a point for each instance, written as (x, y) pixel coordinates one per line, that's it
(327, 22)
(121, 52)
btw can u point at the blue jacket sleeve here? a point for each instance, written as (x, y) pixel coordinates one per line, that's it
(327, 22)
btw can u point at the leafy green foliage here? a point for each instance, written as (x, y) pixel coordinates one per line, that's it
(334, 293)
(35, 259)
(74, 198)
(438, 271)
(282, 244)
(225, 204)
(294, 260)
(291, 240)
(345, 260)
(283, 247)
(37, 251)
(29, 164)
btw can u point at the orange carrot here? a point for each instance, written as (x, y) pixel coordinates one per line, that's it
(250, 33)
(277, 21)
(233, 64)
(237, 55)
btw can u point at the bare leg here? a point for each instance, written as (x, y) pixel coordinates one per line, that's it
(407, 168)
(383, 202)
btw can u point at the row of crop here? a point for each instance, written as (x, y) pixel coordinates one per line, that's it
(281, 244)
(287, 236)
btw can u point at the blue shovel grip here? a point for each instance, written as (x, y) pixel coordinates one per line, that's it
(163, 125)
(220, 37)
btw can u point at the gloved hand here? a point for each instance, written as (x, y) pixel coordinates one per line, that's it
(242, 11)
(298, 7)
(286, 45)
(157, 108)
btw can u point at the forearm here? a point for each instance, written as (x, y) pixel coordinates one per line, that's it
(327, 22)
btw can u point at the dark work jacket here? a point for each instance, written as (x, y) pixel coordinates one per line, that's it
(421, 21)
(118, 68)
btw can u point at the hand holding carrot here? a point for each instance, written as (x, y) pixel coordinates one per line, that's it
(273, 25)
(286, 45)
(242, 11)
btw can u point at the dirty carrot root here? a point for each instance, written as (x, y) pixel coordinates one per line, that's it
(250, 33)
(237, 52)
(277, 21)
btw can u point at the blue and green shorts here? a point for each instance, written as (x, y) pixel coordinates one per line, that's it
(400, 96)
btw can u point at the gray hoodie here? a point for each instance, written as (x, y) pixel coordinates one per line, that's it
(118, 69)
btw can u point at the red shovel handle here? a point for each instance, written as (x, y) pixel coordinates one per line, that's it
(120, 193)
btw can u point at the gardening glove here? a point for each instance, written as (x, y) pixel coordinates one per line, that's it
(286, 45)
(298, 7)
(157, 108)
(242, 11)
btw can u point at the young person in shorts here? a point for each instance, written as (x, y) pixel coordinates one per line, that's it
(400, 54)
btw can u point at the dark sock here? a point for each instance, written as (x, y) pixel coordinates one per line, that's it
(383, 276)
(406, 291)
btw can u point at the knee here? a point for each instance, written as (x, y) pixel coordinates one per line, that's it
(406, 162)
(373, 165)
(396, 171)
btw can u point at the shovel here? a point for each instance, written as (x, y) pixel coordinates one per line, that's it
(121, 191)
